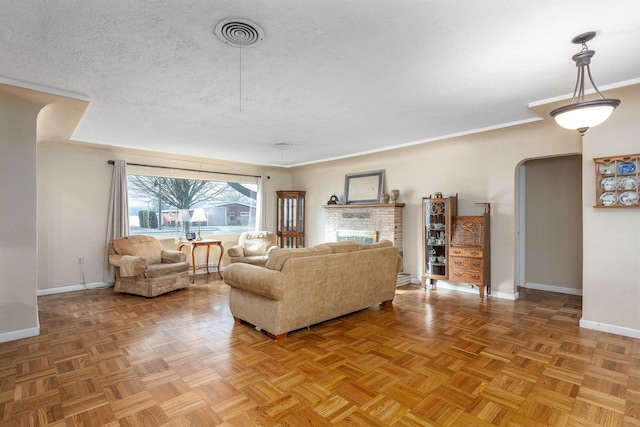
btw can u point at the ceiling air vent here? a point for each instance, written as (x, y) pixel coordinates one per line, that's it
(238, 32)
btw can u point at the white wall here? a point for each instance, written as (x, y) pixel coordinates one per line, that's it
(18, 239)
(480, 168)
(611, 256)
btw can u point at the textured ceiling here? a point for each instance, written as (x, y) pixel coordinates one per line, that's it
(332, 78)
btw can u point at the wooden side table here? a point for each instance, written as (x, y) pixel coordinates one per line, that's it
(194, 244)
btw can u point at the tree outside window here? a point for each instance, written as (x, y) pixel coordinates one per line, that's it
(164, 206)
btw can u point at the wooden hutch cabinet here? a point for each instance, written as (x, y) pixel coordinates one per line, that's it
(290, 219)
(469, 252)
(437, 213)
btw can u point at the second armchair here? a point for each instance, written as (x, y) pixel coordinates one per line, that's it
(253, 247)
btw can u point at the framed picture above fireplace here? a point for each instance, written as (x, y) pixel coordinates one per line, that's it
(363, 187)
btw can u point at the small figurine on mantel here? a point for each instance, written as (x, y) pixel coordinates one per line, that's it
(333, 200)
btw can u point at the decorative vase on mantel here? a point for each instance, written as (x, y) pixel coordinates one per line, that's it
(385, 199)
(394, 195)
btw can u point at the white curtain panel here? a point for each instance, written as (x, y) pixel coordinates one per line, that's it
(118, 221)
(261, 204)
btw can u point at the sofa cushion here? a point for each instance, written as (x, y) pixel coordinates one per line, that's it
(279, 256)
(160, 270)
(344, 246)
(147, 247)
(380, 244)
(253, 260)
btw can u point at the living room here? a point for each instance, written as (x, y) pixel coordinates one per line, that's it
(55, 193)
(69, 174)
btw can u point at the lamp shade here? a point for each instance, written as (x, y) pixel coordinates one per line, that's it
(199, 215)
(584, 114)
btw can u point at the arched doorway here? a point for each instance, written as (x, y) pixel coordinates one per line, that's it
(549, 224)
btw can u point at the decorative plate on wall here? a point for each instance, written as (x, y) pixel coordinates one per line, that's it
(608, 184)
(628, 198)
(626, 183)
(606, 168)
(608, 199)
(626, 167)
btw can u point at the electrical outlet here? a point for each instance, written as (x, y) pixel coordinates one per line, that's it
(80, 260)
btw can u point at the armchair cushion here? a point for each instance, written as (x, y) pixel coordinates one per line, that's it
(253, 247)
(160, 270)
(256, 243)
(147, 247)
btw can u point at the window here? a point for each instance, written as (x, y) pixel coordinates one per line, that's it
(169, 206)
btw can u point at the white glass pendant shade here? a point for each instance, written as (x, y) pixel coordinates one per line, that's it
(586, 114)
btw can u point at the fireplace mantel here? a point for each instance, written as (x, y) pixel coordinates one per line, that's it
(366, 205)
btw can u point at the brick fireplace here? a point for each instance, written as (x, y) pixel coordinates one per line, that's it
(385, 219)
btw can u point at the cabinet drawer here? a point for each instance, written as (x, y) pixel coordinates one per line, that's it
(461, 275)
(468, 264)
(466, 252)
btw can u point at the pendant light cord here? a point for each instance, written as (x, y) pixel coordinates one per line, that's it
(240, 77)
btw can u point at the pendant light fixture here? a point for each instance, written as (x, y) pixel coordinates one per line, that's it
(581, 114)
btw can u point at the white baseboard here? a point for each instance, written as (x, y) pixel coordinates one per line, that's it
(468, 289)
(550, 288)
(22, 333)
(72, 288)
(612, 329)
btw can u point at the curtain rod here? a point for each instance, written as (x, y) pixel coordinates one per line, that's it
(111, 162)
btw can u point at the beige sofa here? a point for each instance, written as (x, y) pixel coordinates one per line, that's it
(305, 286)
(144, 268)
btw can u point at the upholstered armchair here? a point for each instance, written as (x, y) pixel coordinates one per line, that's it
(142, 267)
(253, 247)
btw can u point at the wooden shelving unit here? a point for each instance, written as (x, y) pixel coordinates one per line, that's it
(436, 230)
(618, 181)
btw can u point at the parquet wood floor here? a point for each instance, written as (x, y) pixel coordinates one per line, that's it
(437, 357)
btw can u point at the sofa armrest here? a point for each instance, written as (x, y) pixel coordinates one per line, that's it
(255, 279)
(272, 248)
(129, 265)
(170, 257)
(235, 251)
